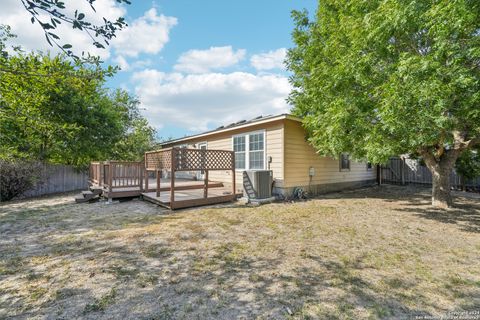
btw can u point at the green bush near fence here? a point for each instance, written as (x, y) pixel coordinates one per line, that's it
(17, 177)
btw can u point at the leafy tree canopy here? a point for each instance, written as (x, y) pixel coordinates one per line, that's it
(468, 164)
(49, 14)
(383, 78)
(53, 110)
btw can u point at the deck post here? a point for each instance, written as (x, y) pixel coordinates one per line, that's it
(145, 172)
(110, 181)
(110, 178)
(234, 189)
(158, 173)
(140, 176)
(205, 185)
(172, 178)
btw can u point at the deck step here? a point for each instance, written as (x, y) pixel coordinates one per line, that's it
(79, 198)
(88, 194)
(96, 190)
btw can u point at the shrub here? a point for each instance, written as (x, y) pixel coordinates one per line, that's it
(17, 177)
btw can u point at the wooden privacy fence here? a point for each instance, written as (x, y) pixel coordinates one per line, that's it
(57, 178)
(410, 171)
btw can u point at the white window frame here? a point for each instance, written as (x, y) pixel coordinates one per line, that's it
(203, 143)
(247, 148)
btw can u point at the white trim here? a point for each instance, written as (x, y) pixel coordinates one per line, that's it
(200, 144)
(249, 124)
(247, 148)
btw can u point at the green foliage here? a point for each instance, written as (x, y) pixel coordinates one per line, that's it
(56, 110)
(16, 177)
(50, 14)
(138, 136)
(382, 78)
(468, 164)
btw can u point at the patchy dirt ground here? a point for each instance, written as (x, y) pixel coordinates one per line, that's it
(365, 254)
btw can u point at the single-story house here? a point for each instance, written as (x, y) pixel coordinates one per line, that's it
(278, 143)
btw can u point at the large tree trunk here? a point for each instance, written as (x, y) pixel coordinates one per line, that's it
(441, 196)
(441, 167)
(440, 160)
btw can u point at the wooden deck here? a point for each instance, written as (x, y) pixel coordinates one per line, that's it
(191, 197)
(180, 184)
(118, 179)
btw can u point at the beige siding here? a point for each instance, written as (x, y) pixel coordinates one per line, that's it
(223, 141)
(300, 156)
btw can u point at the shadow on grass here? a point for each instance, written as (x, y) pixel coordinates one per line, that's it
(172, 283)
(166, 279)
(417, 200)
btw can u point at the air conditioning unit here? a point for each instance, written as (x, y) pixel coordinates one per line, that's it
(257, 184)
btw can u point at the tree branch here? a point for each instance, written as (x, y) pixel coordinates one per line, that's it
(461, 144)
(472, 142)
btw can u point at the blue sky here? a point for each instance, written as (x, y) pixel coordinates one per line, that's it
(194, 65)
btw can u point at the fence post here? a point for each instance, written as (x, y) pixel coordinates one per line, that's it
(402, 169)
(172, 178)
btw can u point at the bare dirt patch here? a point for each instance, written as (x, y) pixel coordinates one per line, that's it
(370, 253)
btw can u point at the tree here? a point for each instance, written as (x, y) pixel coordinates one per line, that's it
(137, 136)
(52, 109)
(383, 78)
(49, 14)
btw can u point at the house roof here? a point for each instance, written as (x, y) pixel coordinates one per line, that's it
(234, 126)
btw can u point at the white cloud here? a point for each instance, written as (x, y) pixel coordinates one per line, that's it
(269, 60)
(125, 65)
(203, 61)
(196, 102)
(31, 36)
(147, 34)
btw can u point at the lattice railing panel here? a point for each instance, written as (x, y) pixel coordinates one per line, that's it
(195, 159)
(190, 159)
(220, 160)
(157, 160)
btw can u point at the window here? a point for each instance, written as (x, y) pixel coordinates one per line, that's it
(369, 166)
(256, 154)
(249, 151)
(344, 162)
(239, 148)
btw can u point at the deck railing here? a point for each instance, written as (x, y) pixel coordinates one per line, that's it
(117, 174)
(182, 159)
(96, 173)
(128, 178)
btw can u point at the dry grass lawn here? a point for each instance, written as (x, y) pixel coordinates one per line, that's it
(365, 254)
